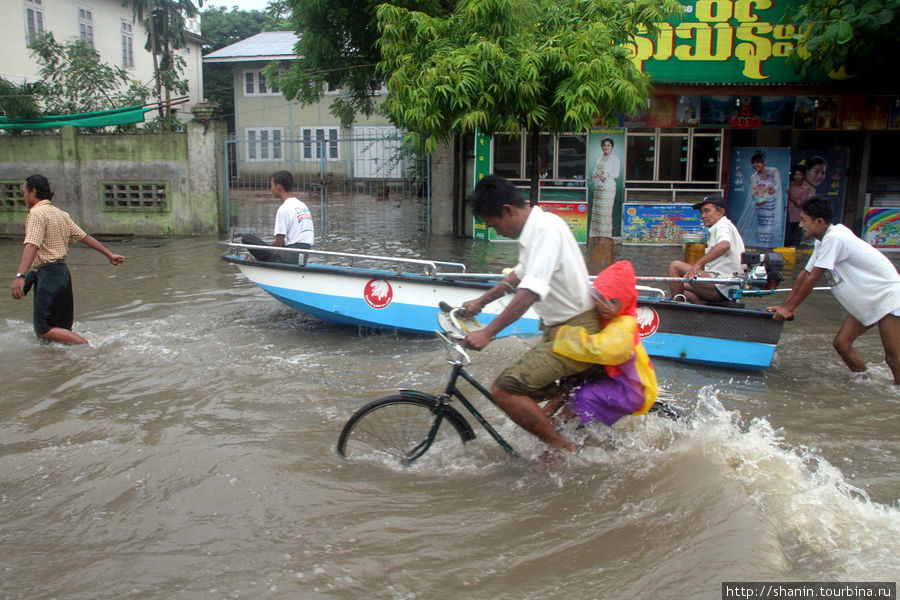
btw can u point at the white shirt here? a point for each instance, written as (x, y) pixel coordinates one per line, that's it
(862, 279)
(729, 264)
(294, 221)
(552, 266)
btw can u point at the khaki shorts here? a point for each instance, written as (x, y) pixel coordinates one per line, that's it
(540, 367)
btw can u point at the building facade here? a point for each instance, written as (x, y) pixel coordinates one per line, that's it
(273, 133)
(727, 115)
(105, 25)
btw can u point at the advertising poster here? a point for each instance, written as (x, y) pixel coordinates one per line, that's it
(606, 161)
(894, 114)
(747, 112)
(687, 112)
(826, 173)
(881, 228)
(662, 111)
(757, 198)
(568, 204)
(575, 214)
(660, 224)
(804, 112)
(877, 109)
(828, 112)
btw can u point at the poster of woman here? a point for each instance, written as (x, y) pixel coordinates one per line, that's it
(757, 198)
(605, 147)
(826, 174)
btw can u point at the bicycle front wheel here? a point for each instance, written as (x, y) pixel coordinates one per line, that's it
(397, 427)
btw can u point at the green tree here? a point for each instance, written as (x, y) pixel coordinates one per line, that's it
(164, 21)
(338, 50)
(549, 66)
(19, 100)
(850, 37)
(223, 27)
(76, 80)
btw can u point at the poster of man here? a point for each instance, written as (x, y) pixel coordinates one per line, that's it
(757, 194)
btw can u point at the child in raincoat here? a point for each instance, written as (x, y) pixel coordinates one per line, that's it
(630, 385)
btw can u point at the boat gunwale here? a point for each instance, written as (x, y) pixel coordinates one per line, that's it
(453, 279)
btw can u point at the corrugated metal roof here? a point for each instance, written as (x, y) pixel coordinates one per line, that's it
(267, 45)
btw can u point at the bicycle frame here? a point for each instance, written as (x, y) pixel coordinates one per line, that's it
(452, 391)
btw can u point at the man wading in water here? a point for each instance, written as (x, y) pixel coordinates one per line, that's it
(48, 233)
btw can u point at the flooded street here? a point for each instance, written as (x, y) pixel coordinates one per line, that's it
(189, 453)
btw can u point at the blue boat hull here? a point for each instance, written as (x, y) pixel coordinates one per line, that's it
(382, 299)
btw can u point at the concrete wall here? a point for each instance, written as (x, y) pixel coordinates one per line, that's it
(82, 168)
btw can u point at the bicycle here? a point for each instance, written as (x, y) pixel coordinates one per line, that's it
(405, 425)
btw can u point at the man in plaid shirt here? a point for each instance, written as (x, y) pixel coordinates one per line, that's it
(48, 233)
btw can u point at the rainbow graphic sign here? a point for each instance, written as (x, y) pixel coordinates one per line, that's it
(881, 228)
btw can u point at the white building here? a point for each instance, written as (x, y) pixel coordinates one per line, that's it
(104, 24)
(274, 133)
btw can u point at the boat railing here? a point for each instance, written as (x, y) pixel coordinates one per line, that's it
(432, 268)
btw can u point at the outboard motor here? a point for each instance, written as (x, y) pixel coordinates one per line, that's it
(763, 269)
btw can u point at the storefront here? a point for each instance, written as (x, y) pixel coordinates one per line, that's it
(727, 115)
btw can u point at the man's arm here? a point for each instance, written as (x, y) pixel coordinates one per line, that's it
(91, 242)
(521, 302)
(506, 286)
(279, 240)
(18, 286)
(714, 253)
(806, 281)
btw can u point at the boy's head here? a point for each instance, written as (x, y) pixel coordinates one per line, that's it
(491, 193)
(500, 205)
(816, 215)
(283, 178)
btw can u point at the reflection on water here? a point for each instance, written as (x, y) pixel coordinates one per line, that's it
(189, 452)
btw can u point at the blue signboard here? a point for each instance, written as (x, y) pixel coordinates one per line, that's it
(659, 224)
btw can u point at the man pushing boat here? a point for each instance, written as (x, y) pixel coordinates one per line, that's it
(862, 279)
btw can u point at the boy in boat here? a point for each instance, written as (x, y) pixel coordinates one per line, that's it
(551, 276)
(721, 260)
(627, 384)
(293, 224)
(48, 232)
(862, 279)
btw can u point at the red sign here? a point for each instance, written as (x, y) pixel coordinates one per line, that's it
(647, 321)
(378, 293)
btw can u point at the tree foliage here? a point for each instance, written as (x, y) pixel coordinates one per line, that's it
(76, 80)
(850, 36)
(19, 100)
(166, 33)
(224, 27)
(337, 49)
(549, 66)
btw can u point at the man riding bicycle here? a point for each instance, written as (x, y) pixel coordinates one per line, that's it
(552, 277)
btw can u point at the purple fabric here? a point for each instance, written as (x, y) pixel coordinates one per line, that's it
(608, 400)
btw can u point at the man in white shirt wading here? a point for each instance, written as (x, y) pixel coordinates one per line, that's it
(293, 224)
(552, 277)
(722, 258)
(862, 279)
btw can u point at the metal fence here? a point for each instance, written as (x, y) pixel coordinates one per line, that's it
(354, 186)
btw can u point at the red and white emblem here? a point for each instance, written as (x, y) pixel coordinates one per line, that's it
(647, 321)
(378, 293)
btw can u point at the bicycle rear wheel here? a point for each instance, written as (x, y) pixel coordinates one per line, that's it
(397, 426)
